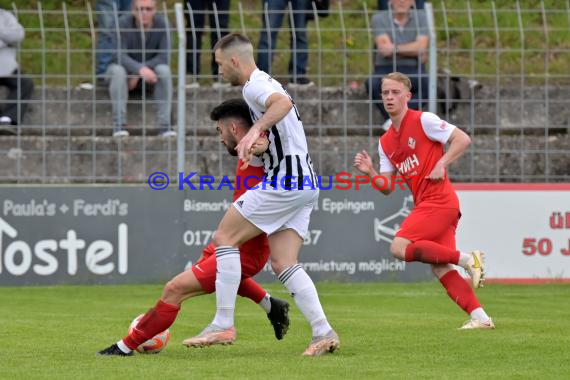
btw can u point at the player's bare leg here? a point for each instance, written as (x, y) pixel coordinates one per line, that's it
(433, 253)
(464, 296)
(232, 231)
(183, 286)
(285, 246)
(398, 247)
(161, 316)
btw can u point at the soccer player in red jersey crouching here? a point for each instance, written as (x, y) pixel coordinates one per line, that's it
(414, 147)
(233, 122)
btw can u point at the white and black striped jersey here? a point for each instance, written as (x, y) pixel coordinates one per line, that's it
(287, 159)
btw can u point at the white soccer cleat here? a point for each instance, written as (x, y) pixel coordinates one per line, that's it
(323, 344)
(473, 324)
(212, 335)
(476, 269)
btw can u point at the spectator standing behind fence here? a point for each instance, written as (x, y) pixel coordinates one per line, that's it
(273, 13)
(20, 88)
(199, 10)
(106, 31)
(141, 63)
(401, 42)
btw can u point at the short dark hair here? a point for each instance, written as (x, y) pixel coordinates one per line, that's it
(230, 40)
(236, 108)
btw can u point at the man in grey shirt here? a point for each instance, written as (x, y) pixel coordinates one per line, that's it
(141, 63)
(401, 42)
(20, 88)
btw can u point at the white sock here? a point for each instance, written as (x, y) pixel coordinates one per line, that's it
(227, 284)
(465, 259)
(265, 303)
(303, 290)
(480, 315)
(123, 347)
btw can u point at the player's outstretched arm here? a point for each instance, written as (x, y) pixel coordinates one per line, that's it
(459, 141)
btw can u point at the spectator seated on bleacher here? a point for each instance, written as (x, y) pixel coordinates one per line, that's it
(20, 88)
(107, 13)
(141, 63)
(401, 43)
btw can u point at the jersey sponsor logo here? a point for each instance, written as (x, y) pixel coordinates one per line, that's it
(411, 142)
(408, 164)
(443, 124)
(240, 203)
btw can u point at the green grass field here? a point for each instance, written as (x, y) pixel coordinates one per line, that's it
(387, 331)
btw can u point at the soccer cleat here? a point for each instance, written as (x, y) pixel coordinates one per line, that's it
(476, 270)
(323, 344)
(113, 350)
(473, 324)
(210, 336)
(279, 316)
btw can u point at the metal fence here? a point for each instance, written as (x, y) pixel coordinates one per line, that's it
(501, 74)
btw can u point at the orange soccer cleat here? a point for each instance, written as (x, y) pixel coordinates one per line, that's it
(323, 344)
(210, 336)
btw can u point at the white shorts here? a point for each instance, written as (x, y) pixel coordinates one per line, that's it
(275, 210)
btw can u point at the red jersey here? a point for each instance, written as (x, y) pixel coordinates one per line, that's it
(248, 178)
(413, 151)
(258, 247)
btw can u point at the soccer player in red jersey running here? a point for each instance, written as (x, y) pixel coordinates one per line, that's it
(233, 122)
(414, 147)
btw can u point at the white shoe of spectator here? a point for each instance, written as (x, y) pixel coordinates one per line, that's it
(120, 132)
(86, 86)
(220, 85)
(192, 85)
(302, 82)
(167, 133)
(5, 120)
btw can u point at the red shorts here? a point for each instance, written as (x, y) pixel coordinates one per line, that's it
(432, 224)
(253, 255)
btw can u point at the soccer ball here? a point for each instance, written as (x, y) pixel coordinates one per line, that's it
(153, 345)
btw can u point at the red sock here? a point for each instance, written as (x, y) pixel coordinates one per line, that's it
(431, 253)
(459, 291)
(155, 321)
(250, 289)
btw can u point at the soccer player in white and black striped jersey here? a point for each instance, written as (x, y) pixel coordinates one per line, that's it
(281, 208)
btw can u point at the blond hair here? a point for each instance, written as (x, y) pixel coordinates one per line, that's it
(399, 77)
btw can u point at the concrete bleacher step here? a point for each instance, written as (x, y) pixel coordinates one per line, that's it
(55, 110)
(76, 111)
(190, 131)
(105, 159)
